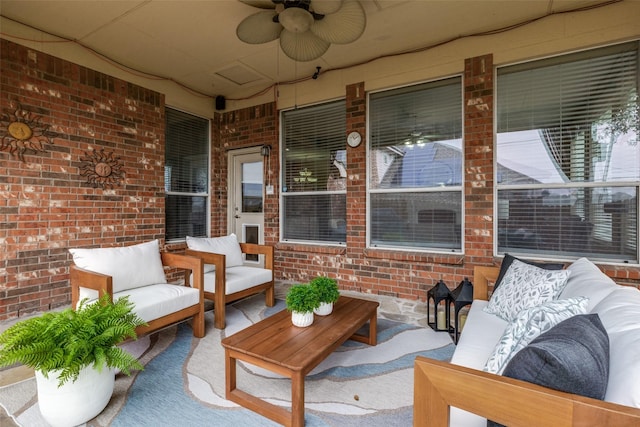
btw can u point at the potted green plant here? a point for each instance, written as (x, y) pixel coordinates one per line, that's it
(301, 300)
(74, 355)
(327, 290)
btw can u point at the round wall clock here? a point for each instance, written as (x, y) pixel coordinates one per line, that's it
(354, 139)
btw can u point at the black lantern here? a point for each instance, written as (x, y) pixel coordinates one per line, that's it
(438, 304)
(460, 297)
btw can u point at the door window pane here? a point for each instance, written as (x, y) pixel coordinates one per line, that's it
(252, 187)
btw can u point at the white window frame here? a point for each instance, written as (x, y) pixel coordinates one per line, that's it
(422, 190)
(207, 188)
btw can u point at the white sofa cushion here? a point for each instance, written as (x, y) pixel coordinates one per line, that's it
(130, 266)
(238, 279)
(586, 279)
(620, 315)
(528, 325)
(153, 301)
(524, 286)
(481, 331)
(225, 245)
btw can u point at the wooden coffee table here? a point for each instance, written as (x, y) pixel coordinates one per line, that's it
(278, 346)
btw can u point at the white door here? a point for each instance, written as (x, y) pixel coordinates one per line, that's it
(246, 197)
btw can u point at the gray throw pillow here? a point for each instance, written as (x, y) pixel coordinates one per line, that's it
(573, 357)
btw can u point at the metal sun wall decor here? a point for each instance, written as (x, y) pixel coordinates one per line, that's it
(102, 169)
(22, 131)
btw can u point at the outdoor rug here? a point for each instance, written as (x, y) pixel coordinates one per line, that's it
(183, 380)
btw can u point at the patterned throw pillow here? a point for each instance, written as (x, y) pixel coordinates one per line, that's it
(528, 325)
(525, 286)
(508, 259)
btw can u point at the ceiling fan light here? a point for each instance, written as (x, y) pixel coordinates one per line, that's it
(344, 26)
(302, 46)
(259, 28)
(325, 7)
(295, 19)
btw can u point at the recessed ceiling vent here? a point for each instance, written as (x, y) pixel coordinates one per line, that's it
(239, 75)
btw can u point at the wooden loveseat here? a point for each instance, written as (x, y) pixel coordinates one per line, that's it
(442, 387)
(137, 271)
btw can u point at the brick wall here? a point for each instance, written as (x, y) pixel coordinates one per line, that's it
(46, 203)
(385, 272)
(48, 206)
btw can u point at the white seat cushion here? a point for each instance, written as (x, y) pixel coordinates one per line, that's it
(481, 332)
(153, 301)
(239, 278)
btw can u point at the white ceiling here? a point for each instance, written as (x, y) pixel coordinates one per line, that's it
(194, 42)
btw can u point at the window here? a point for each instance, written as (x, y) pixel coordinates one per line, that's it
(186, 175)
(415, 167)
(314, 173)
(567, 154)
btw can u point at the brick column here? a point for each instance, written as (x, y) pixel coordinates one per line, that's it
(356, 170)
(478, 165)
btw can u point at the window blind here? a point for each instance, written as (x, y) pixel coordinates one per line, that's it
(186, 174)
(415, 167)
(314, 173)
(568, 163)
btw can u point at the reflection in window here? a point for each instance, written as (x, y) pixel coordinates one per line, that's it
(186, 175)
(415, 164)
(568, 160)
(314, 173)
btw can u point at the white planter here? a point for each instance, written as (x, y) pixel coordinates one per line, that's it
(302, 319)
(325, 309)
(75, 402)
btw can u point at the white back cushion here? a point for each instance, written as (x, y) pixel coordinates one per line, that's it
(620, 315)
(587, 280)
(129, 266)
(226, 245)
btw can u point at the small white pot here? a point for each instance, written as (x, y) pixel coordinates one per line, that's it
(76, 402)
(302, 319)
(325, 309)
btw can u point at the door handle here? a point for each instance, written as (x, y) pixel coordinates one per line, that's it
(237, 216)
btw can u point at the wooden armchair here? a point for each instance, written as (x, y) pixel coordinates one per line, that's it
(227, 284)
(160, 304)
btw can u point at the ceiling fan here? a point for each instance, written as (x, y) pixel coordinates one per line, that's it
(306, 28)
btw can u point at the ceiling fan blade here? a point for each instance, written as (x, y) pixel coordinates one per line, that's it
(302, 46)
(262, 4)
(259, 28)
(325, 7)
(344, 26)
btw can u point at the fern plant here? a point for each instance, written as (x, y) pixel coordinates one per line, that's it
(326, 288)
(70, 340)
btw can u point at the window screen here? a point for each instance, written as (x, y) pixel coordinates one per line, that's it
(186, 175)
(314, 173)
(415, 167)
(568, 162)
